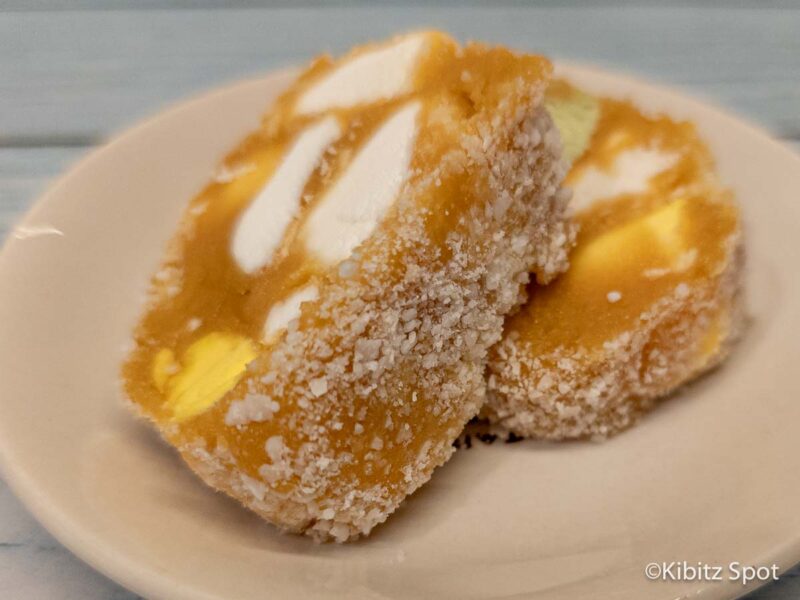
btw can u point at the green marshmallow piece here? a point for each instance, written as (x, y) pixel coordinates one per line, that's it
(575, 117)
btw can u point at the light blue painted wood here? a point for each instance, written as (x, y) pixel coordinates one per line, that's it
(61, 5)
(76, 76)
(69, 79)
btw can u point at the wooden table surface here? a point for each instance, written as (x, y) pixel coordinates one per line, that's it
(70, 78)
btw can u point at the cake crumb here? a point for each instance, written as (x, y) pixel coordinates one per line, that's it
(318, 386)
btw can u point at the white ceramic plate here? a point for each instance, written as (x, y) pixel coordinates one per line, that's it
(712, 476)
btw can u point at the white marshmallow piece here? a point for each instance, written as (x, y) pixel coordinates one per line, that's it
(263, 223)
(283, 312)
(355, 204)
(629, 174)
(376, 75)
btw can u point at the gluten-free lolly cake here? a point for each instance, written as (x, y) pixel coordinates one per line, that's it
(317, 335)
(653, 295)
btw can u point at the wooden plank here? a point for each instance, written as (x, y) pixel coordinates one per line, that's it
(26, 172)
(59, 5)
(74, 77)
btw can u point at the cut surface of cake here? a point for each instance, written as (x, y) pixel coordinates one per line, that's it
(317, 335)
(653, 295)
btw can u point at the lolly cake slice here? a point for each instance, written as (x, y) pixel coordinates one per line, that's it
(317, 336)
(653, 297)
